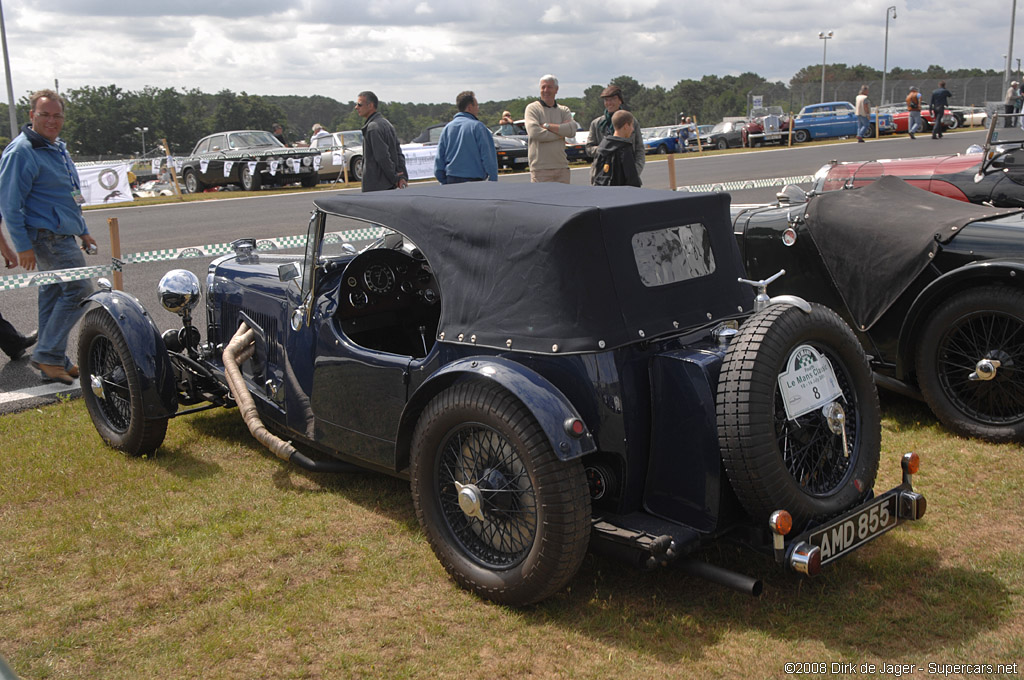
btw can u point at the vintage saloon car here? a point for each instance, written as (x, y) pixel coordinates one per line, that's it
(835, 119)
(551, 366)
(250, 158)
(340, 151)
(933, 287)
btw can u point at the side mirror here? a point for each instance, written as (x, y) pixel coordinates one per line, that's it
(288, 272)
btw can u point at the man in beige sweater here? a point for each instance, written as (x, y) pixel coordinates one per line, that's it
(547, 126)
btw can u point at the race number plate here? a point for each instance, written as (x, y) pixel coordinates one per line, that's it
(809, 382)
(851, 532)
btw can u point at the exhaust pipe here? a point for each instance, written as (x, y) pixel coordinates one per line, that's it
(730, 579)
(237, 352)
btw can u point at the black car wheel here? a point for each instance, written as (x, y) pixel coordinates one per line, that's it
(662, 149)
(721, 144)
(801, 136)
(821, 462)
(355, 169)
(192, 183)
(111, 388)
(251, 181)
(979, 333)
(505, 517)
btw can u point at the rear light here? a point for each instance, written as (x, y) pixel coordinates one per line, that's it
(781, 523)
(805, 559)
(911, 463)
(574, 427)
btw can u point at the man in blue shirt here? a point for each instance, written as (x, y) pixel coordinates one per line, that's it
(41, 199)
(465, 152)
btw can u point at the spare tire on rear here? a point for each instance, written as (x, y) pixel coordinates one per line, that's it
(800, 463)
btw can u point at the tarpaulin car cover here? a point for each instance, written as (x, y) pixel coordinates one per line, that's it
(877, 239)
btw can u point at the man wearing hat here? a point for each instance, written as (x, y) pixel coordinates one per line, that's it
(601, 127)
(914, 110)
(1009, 103)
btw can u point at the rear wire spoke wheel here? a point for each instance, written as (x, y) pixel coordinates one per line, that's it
(111, 387)
(505, 517)
(801, 465)
(980, 332)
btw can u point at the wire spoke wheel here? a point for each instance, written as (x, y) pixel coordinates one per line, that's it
(813, 453)
(112, 387)
(820, 461)
(970, 362)
(505, 517)
(477, 457)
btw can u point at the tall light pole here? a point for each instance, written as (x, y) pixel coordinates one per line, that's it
(1009, 51)
(825, 37)
(7, 70)
(885, 59)
(143, 130)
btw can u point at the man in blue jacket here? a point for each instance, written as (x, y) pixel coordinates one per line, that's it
(41, 199)
(465, 152)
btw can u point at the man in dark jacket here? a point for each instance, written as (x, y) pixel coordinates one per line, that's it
(939, 101)
(601, 127)
(614, 163)
(383, 162)
(12, 343)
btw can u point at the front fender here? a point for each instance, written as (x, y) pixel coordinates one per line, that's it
(546, 402)
(156, 377)
(1007, 272)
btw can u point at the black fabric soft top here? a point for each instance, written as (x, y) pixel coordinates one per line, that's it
(551, 267)
(877, 239)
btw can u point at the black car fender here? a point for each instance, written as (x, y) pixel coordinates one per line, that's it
(553, 411)
(1006, 272)
(159, 395)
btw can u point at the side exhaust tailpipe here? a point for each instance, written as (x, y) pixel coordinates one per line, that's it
(237, 352)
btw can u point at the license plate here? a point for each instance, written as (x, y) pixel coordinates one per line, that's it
(521, 160)
(773, 136)
(851, 532)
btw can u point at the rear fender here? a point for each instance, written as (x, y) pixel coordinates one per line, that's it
(156, 377)
(546, 402)
(1005, 272)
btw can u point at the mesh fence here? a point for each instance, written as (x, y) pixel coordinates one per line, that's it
(987, 91)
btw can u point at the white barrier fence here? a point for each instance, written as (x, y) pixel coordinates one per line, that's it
(30, 279)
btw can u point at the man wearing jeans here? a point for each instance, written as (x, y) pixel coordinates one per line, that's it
(41, 198)
(863, 106)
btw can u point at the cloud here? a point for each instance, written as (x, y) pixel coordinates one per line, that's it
(427, 50)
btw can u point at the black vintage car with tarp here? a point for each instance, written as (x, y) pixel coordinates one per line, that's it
(934, 288)
(552, 367)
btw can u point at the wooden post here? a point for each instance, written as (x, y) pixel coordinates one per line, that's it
(791, 128)
(696, 129)
(174, 175)
(115, 250)
(672, 172)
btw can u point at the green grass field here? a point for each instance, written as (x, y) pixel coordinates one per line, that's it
(216, 560)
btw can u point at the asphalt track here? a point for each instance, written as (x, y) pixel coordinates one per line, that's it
(148, 228)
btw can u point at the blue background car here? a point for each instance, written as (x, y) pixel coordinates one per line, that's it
(661, 139)
(834, 119)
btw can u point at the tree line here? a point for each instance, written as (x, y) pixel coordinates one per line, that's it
(106, 121)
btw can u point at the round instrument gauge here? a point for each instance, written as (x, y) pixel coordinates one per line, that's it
(379, 278)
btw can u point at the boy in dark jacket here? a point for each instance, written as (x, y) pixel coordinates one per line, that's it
(614, 164)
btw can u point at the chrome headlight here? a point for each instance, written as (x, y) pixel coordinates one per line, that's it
(179, 291)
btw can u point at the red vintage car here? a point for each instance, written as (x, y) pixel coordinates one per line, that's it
(901, 118)
(993, 175)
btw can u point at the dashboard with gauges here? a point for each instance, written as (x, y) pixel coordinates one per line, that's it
(389, 300)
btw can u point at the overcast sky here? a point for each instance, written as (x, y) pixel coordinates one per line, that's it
(429, 50)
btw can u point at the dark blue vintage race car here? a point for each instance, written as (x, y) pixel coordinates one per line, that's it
(552, 367)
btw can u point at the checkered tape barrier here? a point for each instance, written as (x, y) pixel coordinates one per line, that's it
(30, 279)
(741, 184)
